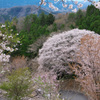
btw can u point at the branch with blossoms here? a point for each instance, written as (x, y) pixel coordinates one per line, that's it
(65, 4)
(8, 42)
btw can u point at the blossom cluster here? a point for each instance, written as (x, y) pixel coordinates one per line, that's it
(8, 43)
(65, 4)
(53, 7)
(97, 5)
(61, 49)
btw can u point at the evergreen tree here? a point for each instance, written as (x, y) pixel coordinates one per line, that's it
(50, 19)
(42, 19)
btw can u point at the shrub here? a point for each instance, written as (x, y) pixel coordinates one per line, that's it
(62, 26)
(54, 27)
(72, 26)
(18, 84)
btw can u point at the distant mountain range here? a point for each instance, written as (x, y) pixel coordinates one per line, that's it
(20, 11)
(21, 8)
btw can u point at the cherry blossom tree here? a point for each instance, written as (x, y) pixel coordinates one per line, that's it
(8, 42)
(75, 51)
(61, 49)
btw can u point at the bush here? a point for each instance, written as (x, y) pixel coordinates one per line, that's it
(18, 84)
(72, 26)
(62, 26)
(54, 27)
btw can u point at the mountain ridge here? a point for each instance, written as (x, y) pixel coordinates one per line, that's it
(20, 11)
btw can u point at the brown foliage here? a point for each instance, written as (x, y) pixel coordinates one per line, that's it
(89, 73)
(18, 62)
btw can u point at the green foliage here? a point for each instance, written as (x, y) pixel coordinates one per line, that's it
(62, 26)
(54, 27)
(72, 26)
(46, 19)
(76, 18)
(95, 26)
(27, 38)
(23, 47)
(79, 14)
(18, 84)
(91, 10)
(10, 38)
(33, 28)
(89, 20)
(29, 20)
(50, 19)
(72, 16)
(42, 19)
